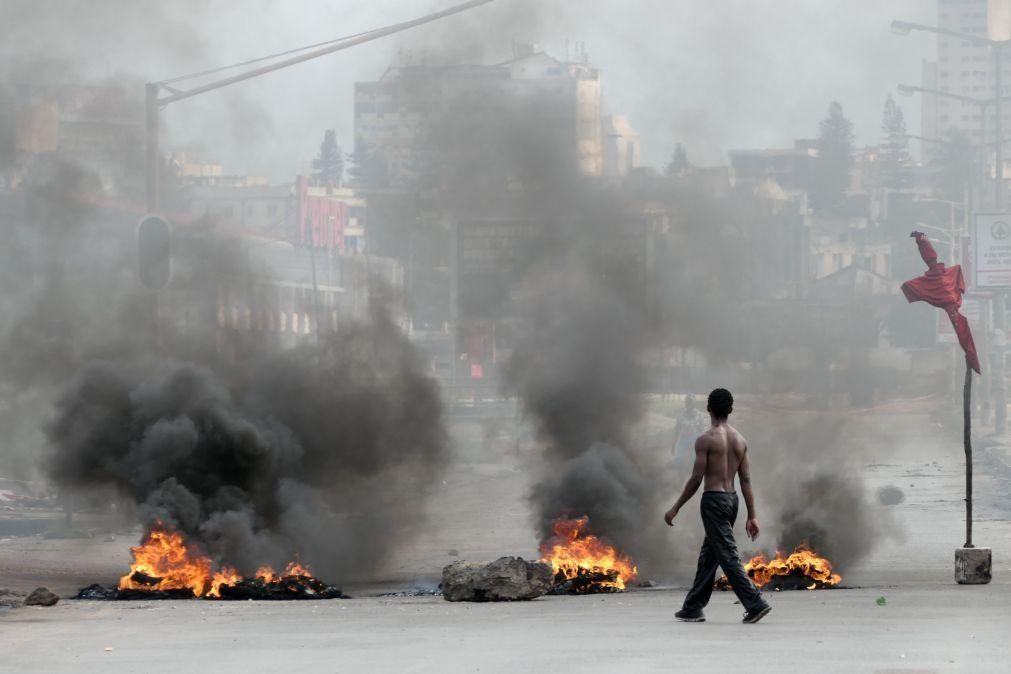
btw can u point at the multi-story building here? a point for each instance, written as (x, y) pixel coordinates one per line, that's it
(97, 127)
(332, 218)
(967, 68)
(620, 146)
(789, 167)
(414, 111)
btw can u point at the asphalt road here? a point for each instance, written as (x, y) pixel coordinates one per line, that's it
(942, 629)
(927, 623)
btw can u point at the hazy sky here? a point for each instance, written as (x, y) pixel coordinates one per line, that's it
(713, 74)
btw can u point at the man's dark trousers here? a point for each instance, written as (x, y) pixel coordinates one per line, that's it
(719, 512)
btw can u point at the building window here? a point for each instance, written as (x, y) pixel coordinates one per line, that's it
(272, 211)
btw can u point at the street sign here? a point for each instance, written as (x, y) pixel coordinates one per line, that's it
(154, 251)
(992, 251)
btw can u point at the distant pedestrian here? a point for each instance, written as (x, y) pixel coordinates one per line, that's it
(691, 422)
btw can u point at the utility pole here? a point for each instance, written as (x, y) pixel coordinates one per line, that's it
(973, 565)
(154, 103)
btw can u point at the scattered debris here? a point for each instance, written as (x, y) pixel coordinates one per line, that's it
(10, 598)
(587, 582)
(415, 592)
(505, 579)
(41, 597)
(891, 495)
(259, 588)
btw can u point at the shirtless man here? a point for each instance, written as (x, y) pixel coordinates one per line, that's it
(720, 454)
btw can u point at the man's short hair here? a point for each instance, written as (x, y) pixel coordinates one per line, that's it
(721, 403)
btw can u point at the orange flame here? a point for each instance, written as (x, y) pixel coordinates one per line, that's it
(163, 561)
(801, 561)
(573, 552)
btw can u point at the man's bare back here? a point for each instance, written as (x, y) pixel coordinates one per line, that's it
(721, 454)
(724, 449)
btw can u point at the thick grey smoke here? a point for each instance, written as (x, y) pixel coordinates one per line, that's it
(257, 454)
(581, 318)
(322, 452)
(577, 366)
(806, 470)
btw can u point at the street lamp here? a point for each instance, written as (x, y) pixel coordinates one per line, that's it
(909, 90)
(971, 565)
(997, 51)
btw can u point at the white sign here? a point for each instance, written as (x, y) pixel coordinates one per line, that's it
(992, 250)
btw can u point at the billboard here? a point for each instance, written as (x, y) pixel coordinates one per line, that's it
(991, 263)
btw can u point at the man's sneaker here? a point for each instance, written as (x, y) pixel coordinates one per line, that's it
(686, 616)
(755, 616)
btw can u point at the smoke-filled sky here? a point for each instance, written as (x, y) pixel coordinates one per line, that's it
(715, 75)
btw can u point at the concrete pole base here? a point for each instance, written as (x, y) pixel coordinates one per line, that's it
(972, 566)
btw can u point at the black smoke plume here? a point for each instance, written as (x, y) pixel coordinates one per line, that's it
(324, 452)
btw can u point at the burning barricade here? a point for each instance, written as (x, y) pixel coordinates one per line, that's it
(802, 569)
(165, 567)
(583, 563)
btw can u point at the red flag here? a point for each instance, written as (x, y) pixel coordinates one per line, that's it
(942, 287)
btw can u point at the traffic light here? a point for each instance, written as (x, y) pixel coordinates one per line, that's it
(154, 252)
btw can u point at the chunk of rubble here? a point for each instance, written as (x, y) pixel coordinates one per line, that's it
(42, 596)
(505, 579)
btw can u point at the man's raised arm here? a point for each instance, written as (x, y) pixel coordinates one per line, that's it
(694, 482)
(744, 472)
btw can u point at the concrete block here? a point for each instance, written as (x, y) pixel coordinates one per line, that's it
(972, 566)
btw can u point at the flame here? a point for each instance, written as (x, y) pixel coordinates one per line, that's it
(572, 553)
(163, 561)
(802, 560)
(296, 569)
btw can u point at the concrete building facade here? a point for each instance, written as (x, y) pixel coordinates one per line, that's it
(410, 110)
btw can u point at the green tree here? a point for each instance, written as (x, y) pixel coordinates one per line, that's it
(329, 165)
(679, 163)
(831, 172)
(893, 159)
(368, 167)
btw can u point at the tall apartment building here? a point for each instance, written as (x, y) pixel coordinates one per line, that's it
(966, 68)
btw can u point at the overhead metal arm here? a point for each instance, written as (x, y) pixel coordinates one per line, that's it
(154, 102)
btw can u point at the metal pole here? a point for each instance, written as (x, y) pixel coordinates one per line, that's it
(152, 88)
(315, 288)
(151, 147)
(998, 174)
(967, 445)
(983, 159)
(1000, 318)
(367, 37)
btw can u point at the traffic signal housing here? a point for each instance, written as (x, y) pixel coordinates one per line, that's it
(154, 252)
